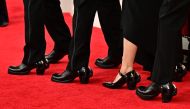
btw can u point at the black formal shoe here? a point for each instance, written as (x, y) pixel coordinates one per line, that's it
(23, 69)
(107, 62)
(3, 24)
(179, 73)
(55, 56)
(69, 76)
(131, 79)
(167, 90)
(65, 77)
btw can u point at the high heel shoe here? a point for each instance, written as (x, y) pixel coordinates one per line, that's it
(23, 69)
(167, 90)
(131, 79)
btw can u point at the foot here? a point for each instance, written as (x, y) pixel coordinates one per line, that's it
(68, 76)
(131, 79)
(167, 90)
(149, 92)
(24, 69)
(65, 77)
(107, 62)
(55, 56)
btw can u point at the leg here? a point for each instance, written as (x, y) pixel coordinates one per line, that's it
(168, 49)
(58, 30)
(110, 11)
(35, 44)
(172, 15)
(80, 44)
(132, 33)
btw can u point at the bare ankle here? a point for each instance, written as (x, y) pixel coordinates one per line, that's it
(125, 70)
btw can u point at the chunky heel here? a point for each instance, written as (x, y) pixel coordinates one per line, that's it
(41, 66)
(84, 75)
(131, 85)
(133, 79)
(168, 91)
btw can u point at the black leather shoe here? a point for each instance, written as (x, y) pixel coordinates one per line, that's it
(180, 72)
(55, 56)
(65, 77)
(69, 76)
(167, 90)
(23, 69)
(107, 62)
(131, 79)
(3, 24)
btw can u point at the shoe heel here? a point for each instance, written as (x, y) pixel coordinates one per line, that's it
(166, 97)
(40, 71)
(84, 79)
(132, 81)
(84, 75)
(131, 85)
(41, 67)
(167, 94)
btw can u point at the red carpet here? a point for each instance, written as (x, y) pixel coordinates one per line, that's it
(38, 92)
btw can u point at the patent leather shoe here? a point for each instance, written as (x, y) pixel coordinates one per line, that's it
(167, 90)
(55, 56)
(131, 79)
(65, 77)
(68, 76)
(107, 62)
(23, 69)
(179, 73)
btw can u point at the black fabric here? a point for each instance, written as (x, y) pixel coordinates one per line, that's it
(109, 12)
(171, 18)
(154, 27)
(3, 11)
(40, 13)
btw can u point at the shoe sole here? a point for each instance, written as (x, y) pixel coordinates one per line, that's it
(66, 81)
(20, 73)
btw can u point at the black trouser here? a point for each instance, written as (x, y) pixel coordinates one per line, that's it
(109, 12)
(37, 14)
(171, 18)
(3, 11)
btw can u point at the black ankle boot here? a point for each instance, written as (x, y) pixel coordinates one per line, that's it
(167, 90)
(131, 79)
(84, 75)
(180, 72)
(23, 69)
